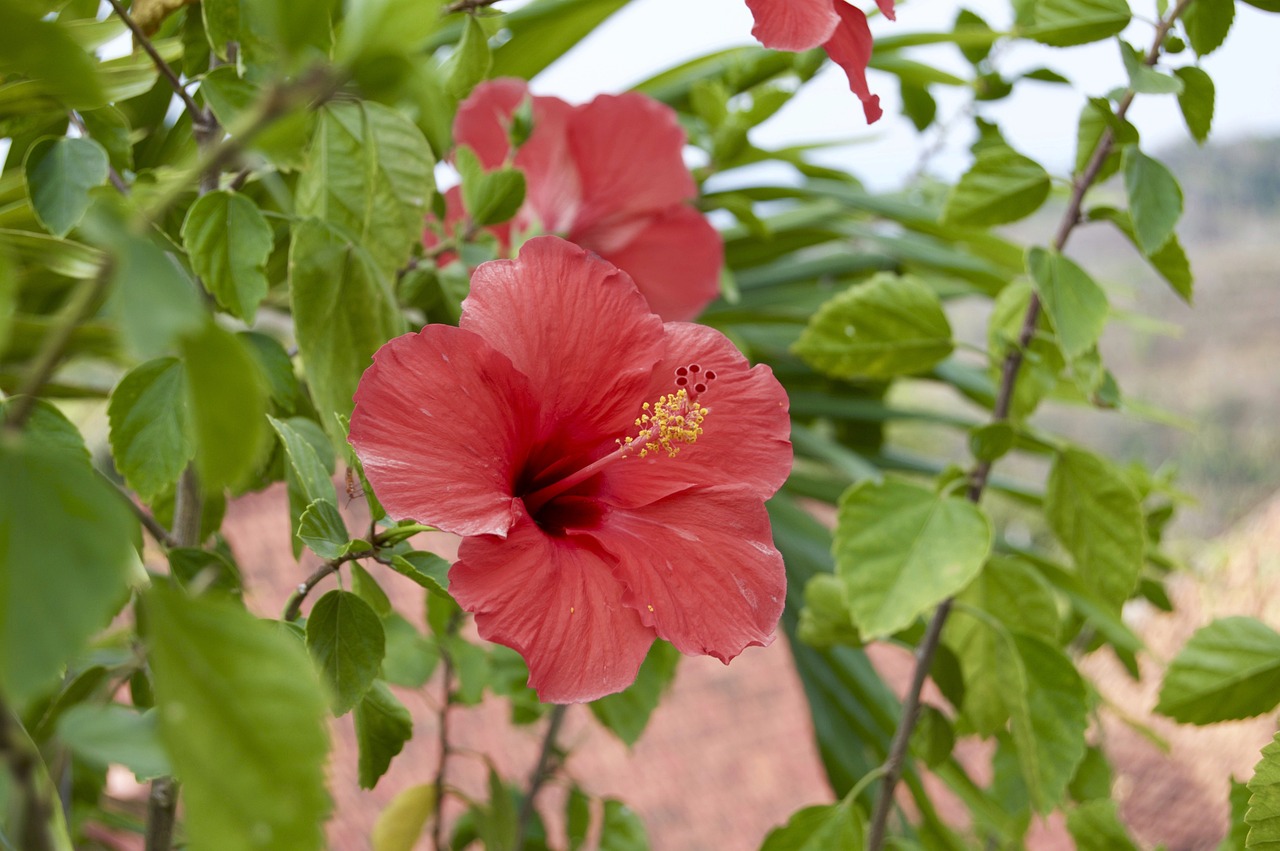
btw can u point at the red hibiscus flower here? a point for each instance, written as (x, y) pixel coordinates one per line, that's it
(608, 175)
(607, 471)
(839, 27)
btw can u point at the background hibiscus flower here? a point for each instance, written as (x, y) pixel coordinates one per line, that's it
(840, 28)
(609, 176)
(581, 546)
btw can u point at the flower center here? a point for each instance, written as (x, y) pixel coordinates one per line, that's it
(666, 425)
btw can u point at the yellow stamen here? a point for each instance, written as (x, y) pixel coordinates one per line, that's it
(670, 422)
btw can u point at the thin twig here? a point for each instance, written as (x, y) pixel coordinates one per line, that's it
(294, 607)
(442, 734)
(146, 518)
(542, 771)
(32, 830)
(199, 117)
(1010, 367)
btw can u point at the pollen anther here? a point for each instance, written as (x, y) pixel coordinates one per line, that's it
(669, 423)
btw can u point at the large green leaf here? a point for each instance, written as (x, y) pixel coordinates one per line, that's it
(343, 311)
(1001, 186)
(902, 549)
(229, 242)
(544, 30)
(1097, 516)
(1263, 816)
(1229, 669)
(345, 636)
(1155, 199)
(60, 173)
(820, 829)
(1075, 304)
(370, 175)
(886, 327)
(66, 550)
(152, 437)
(1064, 23)
(243, 720)
(383, 726)
(44, 51)
(1048, 720)
(627, 713)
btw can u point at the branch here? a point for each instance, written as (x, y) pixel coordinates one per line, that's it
(541, 772)
(200, 119)
(437, 826)
(1009, 369)
(294, 607)
(146, 518)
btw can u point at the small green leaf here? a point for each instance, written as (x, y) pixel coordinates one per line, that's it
(411, 658)
(1065, 23)
(820, 829)
(1238, 834)
(825, 619)
(322, 529)
(204, 569)
(902, 549)
(1228, 670)
(1207, 23)
(1093, 777)
(934, 738)
(470, 61)
(400, 824)
(992, 442)
(229, 242)
(66, 550)
(60, 172)
(1095, 119)
(228, 407)
(1155, 199)
(1170, 261)
(1098, 517)
(366, 588)
(577, 818)
(115, 734)
(346, 638)
(243, 720)
(383, 726)
(1076, 306)
(1196, 101)
(622, 829)
(1263, 816)
(276, 367)
(1144, 79)
(887, 327)
(152, 437)
(1001, 186)
(427, 569)
(1096, 826)
(490, 197)
(627, 713)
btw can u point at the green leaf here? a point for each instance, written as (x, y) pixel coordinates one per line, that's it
(1228, 670)
(228, 407)
(152, 437)
(1093, 777)
(233, 99)
(383, 31)
(1076, 306)
(410, 658)
(992, 441)
(383, 726)
(370, 175)
(1155, 199)
(400, 824)
(366, 588)
(427, 569)
(1196, 100)
(1170, 261)
(1263, 816)
(270, 34)
(44, 52)
(1096, 826)
(622, 829)
(204, 569)
(345, 636)
(902, 549)
(115, 734)
(1001, 186)
(1098, 517)
(276, 367)
(307, 473)
(322, 529)
(825, 619)
(1207, 23)
(243, 719)
(470, 61)
(627, 713)
(229, 242)
(490, 197)
(1237, 837)
(110, 128)
(820, 829)
(1065, 23)
(66, 551)
(343, 310)
(1144, 79)
(1049, 715)
(1095, 119)
(887, 327)
(544, 30)
(60, 172)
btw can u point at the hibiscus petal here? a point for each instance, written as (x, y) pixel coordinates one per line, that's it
(482, 119)
(886, 9)
(440, 425)
(675, 261)
(554, 600)
(700, 568)
(850, 48)
(629, 153)
(746, 436)
(792, 24)
(577, 327)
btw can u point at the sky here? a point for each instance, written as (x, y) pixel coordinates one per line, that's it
(1039, 119)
